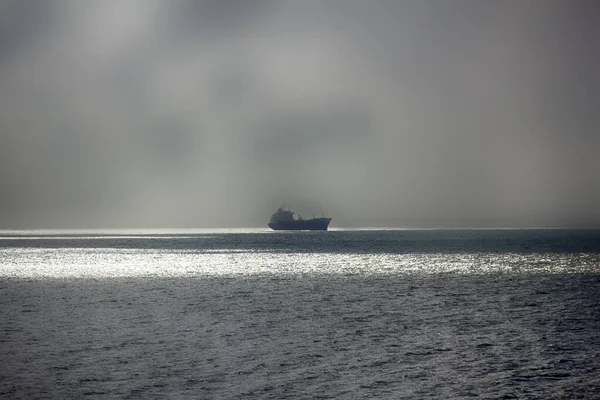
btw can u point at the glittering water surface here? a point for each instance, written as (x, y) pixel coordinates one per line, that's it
(341, 314)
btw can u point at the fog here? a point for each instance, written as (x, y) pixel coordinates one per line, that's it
(144, 113)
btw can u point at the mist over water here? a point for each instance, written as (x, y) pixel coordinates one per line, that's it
(211, 114)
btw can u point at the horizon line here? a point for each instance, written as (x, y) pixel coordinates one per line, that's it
(336, 228)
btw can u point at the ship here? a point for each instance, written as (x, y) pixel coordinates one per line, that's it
(283, 220)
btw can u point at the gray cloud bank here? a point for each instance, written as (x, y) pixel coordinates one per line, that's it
(143, 113)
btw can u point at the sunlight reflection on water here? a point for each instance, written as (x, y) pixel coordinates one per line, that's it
(112, 263)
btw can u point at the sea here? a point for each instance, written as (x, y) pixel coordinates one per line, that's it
(341, 314)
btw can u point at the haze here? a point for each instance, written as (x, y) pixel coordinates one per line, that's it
(142, 113)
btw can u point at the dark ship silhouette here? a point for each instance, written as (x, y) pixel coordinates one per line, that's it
(283, 220)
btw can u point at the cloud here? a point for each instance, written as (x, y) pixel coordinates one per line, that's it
(180, 113)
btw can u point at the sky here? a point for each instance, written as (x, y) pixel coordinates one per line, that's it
(173, 113)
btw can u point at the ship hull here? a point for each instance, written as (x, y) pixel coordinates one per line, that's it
(315, 224)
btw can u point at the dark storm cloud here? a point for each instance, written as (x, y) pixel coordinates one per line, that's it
(212, 113)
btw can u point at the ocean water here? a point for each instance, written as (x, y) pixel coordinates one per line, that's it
(255, 314)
